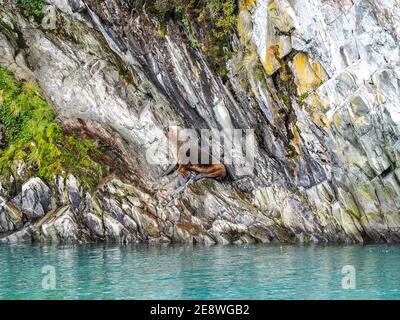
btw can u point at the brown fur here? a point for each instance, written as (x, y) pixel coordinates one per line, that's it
(215, 171)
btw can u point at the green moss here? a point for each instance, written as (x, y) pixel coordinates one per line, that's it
(164, 10)
(32, 135)
(246, 66)
(284, 98)
(216, 20)
(224, 17)
(32, 7)
(189, 32)
(306, 239)
(301, 99)
(259, 73)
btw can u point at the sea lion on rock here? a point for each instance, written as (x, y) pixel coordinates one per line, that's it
(201, 163)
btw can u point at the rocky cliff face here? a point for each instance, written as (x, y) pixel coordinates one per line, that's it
(318, 81)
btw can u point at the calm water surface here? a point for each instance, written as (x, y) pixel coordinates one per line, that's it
(196, 272)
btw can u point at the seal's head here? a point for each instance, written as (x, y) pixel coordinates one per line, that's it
(172, 132)
(166, 131)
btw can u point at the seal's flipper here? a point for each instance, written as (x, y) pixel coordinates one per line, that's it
(200, 176)
(183, 175)
(211, 172)
(183, 179)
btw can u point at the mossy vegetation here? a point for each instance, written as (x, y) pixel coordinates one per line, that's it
(248, 69)
(32, 136)
(284, 98)
(32, 7)
(246, 63)
(189, 32)
(302, 99)
(208, 24)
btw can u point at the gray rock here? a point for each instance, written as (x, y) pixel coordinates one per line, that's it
(10, 216)
(35, 198)
(327, 166)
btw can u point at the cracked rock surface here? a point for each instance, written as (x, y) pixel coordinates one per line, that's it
(326, 113)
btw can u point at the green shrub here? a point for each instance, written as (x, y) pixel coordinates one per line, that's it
(224, 17)
(216, 19)
(302, 99)
(32, 135)
(189, 32)
(31, 7)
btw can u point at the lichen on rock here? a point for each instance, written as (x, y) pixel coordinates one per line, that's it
(318, 81)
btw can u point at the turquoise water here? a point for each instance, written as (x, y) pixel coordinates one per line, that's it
(196, 272)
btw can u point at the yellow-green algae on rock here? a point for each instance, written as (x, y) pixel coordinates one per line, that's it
(34, 139)
(309, 75)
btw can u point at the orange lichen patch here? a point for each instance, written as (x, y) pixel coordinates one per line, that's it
(191, 228)
(381, 99)
(337, 119)
(151, 226)
(313, 106)
(321, 120)
(244, 4)
(309, 75)
(340, 122)
(312, 103)
(319, 71)
(244, 25)
(325, 121)
(13, 212)
(240, 27)
(284, 74)
(284, 46)
(296, 139)
(272, 5)
(360, 120)
(272, 64)
(203, 47)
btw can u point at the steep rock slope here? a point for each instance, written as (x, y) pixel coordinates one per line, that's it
(317, 80)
